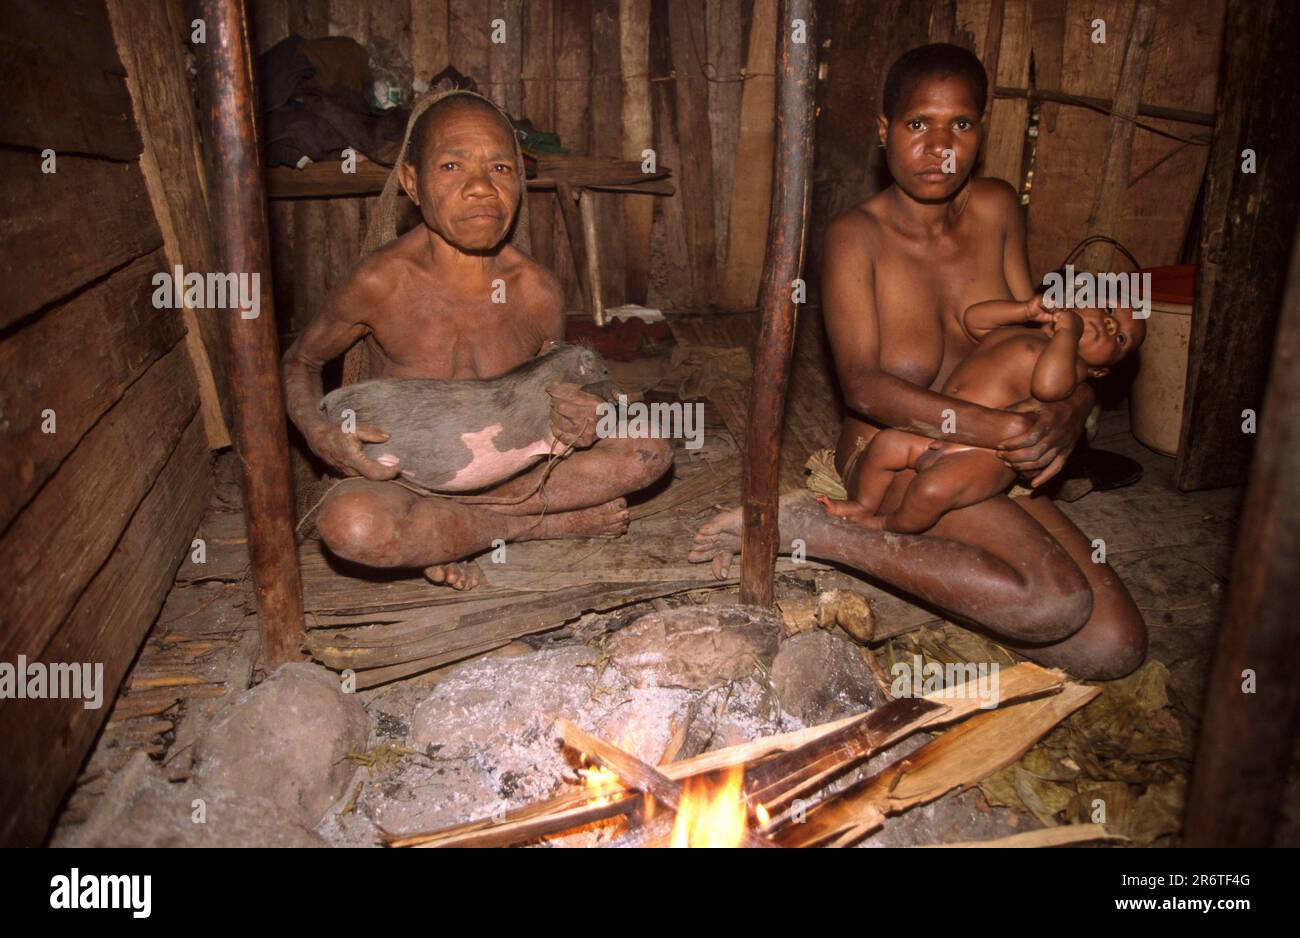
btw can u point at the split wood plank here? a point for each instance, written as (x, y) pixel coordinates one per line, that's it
(670, 285)
(539, 107)
(64, 84)
(430, 38)
(1061, 836)
(77, 360)
(61, 230)
(1007, 44)
(43, 742)
(1112, 190)
(326, 179)
(63, 536)
(724, 61)
(605, 139)
(961, 757)
(269, 22)
(1047, 32)
(455, 630)
(778, 781)
(469, 29)
(572, 115)
(751, 192)
(159, 86)
(694, 141)
(637, 137)
(505, 59)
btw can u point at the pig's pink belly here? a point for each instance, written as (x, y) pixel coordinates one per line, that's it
(490, 465)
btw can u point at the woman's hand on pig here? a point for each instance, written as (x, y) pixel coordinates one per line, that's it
(573, 415)
(343, 451)
(1041, 451)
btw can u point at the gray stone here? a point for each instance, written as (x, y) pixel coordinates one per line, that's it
(286, 740)
(695, 647)
(819, 676)
(503, 697)
(141, 808)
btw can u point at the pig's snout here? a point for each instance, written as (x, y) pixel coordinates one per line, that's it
(605, 390)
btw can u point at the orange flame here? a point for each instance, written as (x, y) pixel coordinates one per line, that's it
(599, 778)
(712, 814)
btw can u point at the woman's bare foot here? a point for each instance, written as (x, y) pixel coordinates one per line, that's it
(718, 540)
(607, 520)
(849, 510)
(462, 575)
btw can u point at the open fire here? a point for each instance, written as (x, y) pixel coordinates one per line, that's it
(712, 813)
(743, 795)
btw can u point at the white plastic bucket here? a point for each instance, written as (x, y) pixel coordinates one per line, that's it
(1156, 398)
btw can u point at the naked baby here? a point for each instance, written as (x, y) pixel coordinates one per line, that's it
(1012, 361)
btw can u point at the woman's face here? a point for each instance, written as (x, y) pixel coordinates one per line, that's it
(468, 185)
(937, 128)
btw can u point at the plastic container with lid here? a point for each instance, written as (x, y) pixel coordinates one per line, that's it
(1156, 398)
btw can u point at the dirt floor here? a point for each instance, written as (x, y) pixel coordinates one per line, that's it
(459, 690)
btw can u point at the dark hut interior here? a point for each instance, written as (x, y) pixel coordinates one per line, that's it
(176, 631)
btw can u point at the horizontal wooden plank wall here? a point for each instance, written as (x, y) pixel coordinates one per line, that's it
(582, 68)
(98, 509)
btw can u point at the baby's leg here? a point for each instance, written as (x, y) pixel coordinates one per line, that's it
(954, 481)
(889, 452)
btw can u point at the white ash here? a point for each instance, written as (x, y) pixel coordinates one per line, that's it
(485, 740)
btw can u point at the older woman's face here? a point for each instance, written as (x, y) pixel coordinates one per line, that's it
(468, 185)
(938, 127)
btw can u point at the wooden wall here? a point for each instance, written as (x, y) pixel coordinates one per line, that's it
(1164, 175)
(612, 78)
(693, 79)
(96, 515)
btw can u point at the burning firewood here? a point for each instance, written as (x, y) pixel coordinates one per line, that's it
(779, 768)
(646, 779)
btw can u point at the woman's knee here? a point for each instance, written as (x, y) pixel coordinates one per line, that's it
(355, 526)
(1058, 600)
(1113, 645)
(647, 460)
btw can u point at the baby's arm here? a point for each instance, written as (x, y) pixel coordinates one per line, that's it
(982, 318)
(1056, 372)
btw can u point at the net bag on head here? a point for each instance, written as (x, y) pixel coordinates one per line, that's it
(383, 224)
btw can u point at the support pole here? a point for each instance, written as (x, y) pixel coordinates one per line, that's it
(237, 201)
(1252, 707)
(787, 229)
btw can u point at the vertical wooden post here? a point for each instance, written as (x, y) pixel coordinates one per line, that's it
(1246, 221)
(237, 201)
(1247, 747)
(787, 228)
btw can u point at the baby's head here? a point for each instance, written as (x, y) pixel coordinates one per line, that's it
(1109, 336)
